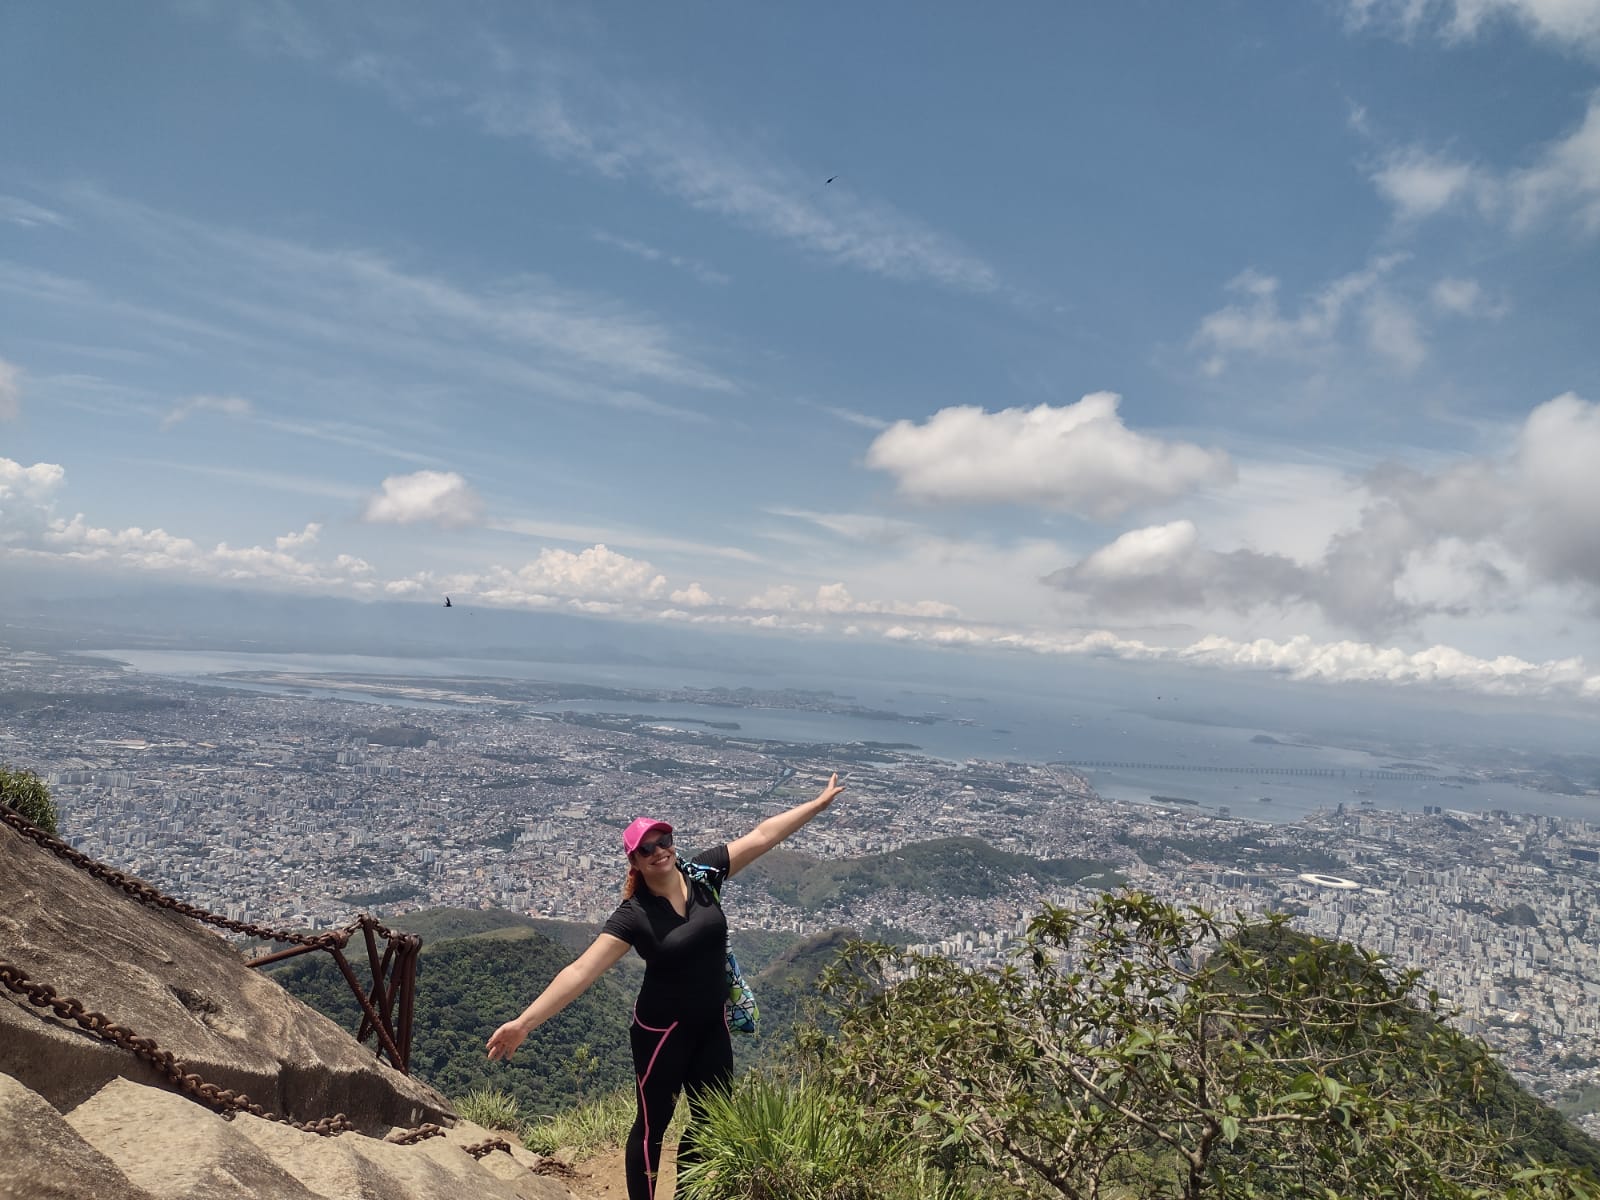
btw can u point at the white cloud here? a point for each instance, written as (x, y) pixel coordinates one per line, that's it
(1300, 658)
(17, 211)
(1258, 325)
(835, 599)
(552, 343)
(562, 531)
(1561, 184)
(26, 498)
(1361, 662)
(855, 527)
(620, 131)
(1564, 181)
(10, 391)
(850, 417)
(232, 406)
(1419, 184)
(439, 496)
(1079, 457)
(693, 266)
(1573, 24)
(152, 549)
(1556, 476)
(693, 596)
(1142, 552)
(306, 537)
(1465, 298)
(1394, 332)
(598, 574)
(1467, 538)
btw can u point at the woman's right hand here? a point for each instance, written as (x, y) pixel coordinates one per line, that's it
(503, 1042)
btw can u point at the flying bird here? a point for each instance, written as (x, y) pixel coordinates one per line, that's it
(447, 603)
(829, 179)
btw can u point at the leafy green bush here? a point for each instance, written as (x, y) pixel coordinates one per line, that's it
(26, 793)
(490, 1107)
(1133, 1048)
(768, 1138)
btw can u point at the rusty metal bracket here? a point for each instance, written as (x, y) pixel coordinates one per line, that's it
(386, 1008)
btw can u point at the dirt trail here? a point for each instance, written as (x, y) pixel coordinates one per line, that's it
(602, 1178)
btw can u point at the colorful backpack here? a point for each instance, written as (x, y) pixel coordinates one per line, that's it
(741, 1008)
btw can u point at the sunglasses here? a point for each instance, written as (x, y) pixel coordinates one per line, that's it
(664, 842)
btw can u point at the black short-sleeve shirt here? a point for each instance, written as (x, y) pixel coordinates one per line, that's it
(685, 957)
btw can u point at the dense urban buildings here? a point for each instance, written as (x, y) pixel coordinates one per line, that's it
(294, 809)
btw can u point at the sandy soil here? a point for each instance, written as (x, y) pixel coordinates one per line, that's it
(601, 1178)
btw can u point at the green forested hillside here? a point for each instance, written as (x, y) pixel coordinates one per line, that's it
(951, 867)
(480, 968)
(466, 987)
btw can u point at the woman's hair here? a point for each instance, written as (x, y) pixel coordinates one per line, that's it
(631, 882)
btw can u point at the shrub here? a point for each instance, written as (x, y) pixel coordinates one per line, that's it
(27, 794)
(491, 1108)
(768, 1139)
(1133, 1048)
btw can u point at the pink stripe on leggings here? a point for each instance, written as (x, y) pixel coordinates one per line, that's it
(650, 1171)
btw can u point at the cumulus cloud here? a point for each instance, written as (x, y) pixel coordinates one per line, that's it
(1557, 489)
(10, 391)
(306, 537)
(1079, 457)
(232, 406)
(693, 596)
(1163, 567)
(1426, 543)
(1301, 658)
(26, 498)
(153, 549)
(598, 574)
(1257, 324)
(442, 497)
(1561, 184)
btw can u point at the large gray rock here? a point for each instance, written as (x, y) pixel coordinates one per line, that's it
(45, 1159)
(176, 1150)
(175, 981)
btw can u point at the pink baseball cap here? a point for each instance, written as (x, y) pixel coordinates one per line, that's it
(639, 830)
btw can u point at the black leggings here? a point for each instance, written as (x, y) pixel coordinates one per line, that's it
(692, 1054)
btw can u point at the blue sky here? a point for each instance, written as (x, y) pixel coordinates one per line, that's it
(1253, 335)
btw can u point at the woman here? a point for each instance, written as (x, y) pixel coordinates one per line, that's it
(679, 1033)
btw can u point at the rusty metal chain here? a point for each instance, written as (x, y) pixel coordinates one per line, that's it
(555, 1167)
(484, 1148)
(412, 1136)
(144, 893)
(397, 1045)
(220, 1099)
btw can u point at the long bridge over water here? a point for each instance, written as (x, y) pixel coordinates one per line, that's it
(1095, 764)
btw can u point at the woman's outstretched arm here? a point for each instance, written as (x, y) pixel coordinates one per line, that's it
(745, 850)
(570, 983)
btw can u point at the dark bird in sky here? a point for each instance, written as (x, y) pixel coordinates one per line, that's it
(447, 603)
(830, 178)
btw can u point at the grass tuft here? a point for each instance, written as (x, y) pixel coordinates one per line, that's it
(491, 1108)
(798, 1140)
